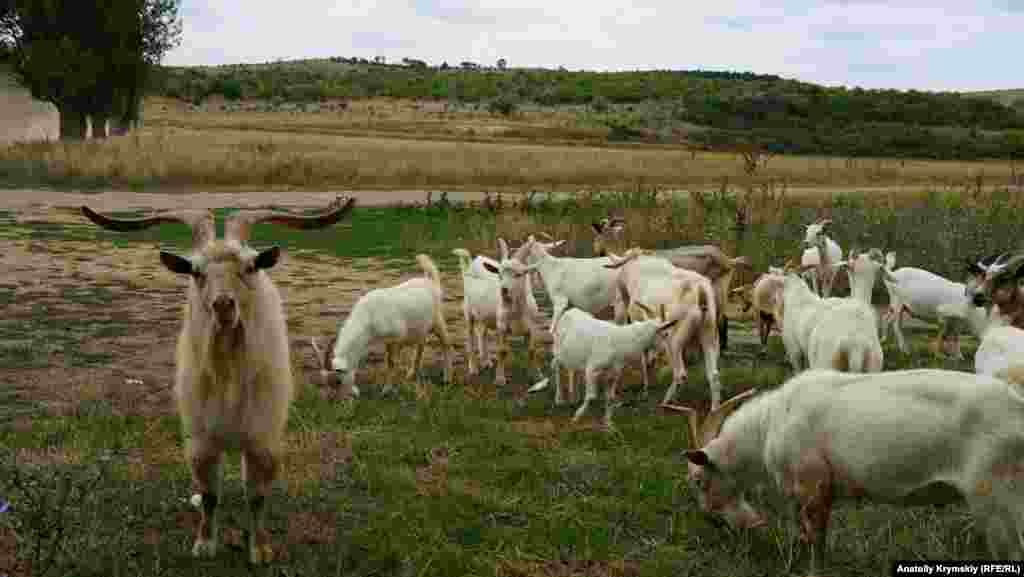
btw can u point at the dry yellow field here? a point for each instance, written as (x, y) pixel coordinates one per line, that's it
(384, 144)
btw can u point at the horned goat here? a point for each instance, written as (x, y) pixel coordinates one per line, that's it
(1001, 346)
(825, 436)
(820, 256)
(1002, 287)
(405, 314)
(583, 283)
(836, 333)
(517, 312)
(599, 349)
(922, 294)
(233, 378)
(650, 283)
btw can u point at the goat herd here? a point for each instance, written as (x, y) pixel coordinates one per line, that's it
(841, 429)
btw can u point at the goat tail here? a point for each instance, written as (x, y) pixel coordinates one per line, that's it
(465, 259)
(429, 268)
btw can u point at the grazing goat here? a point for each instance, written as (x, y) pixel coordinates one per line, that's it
(599, 349)
(651, 283)
(921, 294)
(836, 333)
(583, 283)
(233, 381)
(826, 436)
(405, 314)
(1002, 287)
(1001, 346)
(820, 256)
(517, 312)
(763, 296)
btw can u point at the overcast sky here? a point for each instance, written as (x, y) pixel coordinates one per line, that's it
(937, 45)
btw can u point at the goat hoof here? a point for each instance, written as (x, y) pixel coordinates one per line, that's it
(261, 554)
(204, 548)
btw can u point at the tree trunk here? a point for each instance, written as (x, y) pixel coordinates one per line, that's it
(99, 124)
(72, 124)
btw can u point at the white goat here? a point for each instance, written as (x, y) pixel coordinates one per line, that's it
(1001, 346)
(480, 303)
(921, 294)
(600, 349)
(835, 333)
(517, 312)
(233, 381)
(648, 283)
(826, 436)
(405, 314)
(583, 283)
(820, 256)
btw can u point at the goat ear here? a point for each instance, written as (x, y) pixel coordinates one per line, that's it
(597, 227)
(667, 325)
(268, 258)
(503, 248)
(491, 267)
(699, 457)
(175, 263)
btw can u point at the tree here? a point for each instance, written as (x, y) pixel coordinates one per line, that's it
(89, 57)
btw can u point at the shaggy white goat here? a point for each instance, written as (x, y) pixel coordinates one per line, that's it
(652, 283)
(583, 283)
(826, 436)
(837, 333)
(920, 294)
(405, 314)
(820, 256)
(600, 349)
(233, 381)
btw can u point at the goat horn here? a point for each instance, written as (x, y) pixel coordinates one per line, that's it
(713, 422)
(693, 421)
(545, 235)
(239, 225)
(200, 221)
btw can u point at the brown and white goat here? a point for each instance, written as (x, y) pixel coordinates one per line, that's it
(1002, 286)
(233, 380)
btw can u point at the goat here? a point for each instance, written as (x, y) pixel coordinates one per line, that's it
(1001, 346)
(825, 436)
(835, 333)
(920, 294)
(650, 282)
(233, 377)
(480, 303)
(583, 283)
(607, 233)
(763, 296)
(517, 307)
(821, 254)
(597, 347)
(405, 314)
(1002, 287)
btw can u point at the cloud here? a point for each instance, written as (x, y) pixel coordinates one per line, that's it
(936, 45)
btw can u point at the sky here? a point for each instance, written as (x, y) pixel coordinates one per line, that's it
(936, 45)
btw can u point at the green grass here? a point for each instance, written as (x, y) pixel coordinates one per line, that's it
(521, 499)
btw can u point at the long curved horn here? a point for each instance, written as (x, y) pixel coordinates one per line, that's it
(200, 221)
(239, 225)
(693, 421)
(713, 422)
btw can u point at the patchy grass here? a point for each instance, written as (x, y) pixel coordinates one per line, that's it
(465, 483)
(419, 149)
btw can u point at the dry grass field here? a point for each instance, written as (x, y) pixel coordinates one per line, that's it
(383, 144)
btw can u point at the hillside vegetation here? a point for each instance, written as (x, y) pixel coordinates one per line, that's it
(705, 109)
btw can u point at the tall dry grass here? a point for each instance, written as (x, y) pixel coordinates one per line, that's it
(303, 150)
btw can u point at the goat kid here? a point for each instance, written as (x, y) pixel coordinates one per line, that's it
(599, 349)
(233, 378)
(405, 314)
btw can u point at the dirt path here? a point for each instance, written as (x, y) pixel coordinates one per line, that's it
(20, 199)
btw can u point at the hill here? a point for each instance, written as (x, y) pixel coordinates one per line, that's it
(1013, 97)
(705, 109)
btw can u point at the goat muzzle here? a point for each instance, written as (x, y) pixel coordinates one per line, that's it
(224, 309)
